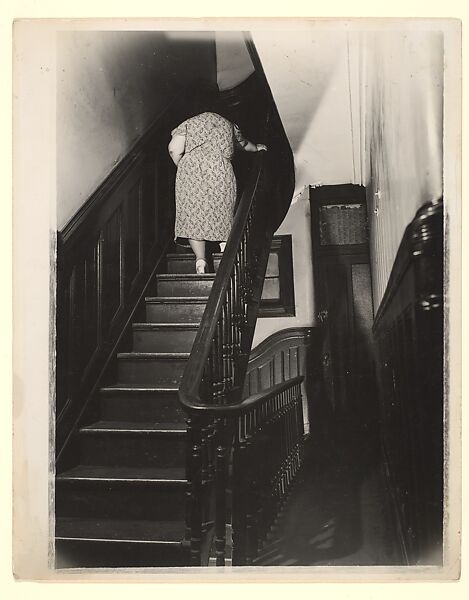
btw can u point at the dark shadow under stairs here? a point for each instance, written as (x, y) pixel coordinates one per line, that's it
(339, 511)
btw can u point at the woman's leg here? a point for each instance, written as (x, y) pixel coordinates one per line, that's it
(198, 247)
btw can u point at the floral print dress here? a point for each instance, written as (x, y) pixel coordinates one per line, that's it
(205, 180)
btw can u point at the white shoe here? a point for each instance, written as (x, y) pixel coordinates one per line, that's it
(200, 265)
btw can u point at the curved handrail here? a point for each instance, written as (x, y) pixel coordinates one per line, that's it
(277, 165)
(211, 388)
(249, 403)
(189, 388)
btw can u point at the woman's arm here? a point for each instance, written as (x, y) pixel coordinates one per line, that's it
(251, 147)
(245, 144)
(176, 148)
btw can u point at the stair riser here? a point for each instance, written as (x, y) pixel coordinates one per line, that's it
(187, 265)
(183, 264)
(71, 553)
(131, 450)
(184, 287)
(140, 406)
(163, 340)
(112, 500)
(174, 313)
(150, 371)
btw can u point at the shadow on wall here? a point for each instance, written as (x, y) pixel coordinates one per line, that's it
(157, 66)
(305, 105)
(300, 66)
(111, 85)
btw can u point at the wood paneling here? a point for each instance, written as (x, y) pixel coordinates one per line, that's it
(408, 332)
(106, 255)
(282, 356)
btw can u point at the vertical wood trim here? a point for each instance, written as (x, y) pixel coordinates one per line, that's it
(99, 289)
(140, 225)
(70, 367)
(121, 258)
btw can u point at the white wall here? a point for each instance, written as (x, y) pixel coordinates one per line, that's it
(313, 79)
(234, 65)
(110, 87)
(360, 107)
(296, 223)
(308, 72)
(404, 124)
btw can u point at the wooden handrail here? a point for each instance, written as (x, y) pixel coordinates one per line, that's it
(239, 408)
(189, 388)
(211, 388)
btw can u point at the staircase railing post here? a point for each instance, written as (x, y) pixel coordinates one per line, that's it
(221, 467)
(194, 489)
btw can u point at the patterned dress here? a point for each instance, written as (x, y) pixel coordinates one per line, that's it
(205, 180)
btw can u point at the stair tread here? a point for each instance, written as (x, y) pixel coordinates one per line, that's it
(132, 387)
(154, 325)
(120, 530)
(191, 276)
(176, 299)
(153, 355)
(137, 426)
(81, 472)
(188, 255)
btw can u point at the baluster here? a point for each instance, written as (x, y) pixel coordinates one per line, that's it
(226, 347)
(220, 491)
(207, 384)
(290, 415)
(194, 489)
(284, 457)
(234, 326)
(239, 494)
(272, 467)
(237, 306)
(297, 427)
(209, 445)
(261, 459)
(301, 430)
(217, 361)
(291, 436)
(250, 491)
(286, 422)
(246, 283)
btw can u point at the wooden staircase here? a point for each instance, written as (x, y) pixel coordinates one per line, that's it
(157, 456)
(123, 505)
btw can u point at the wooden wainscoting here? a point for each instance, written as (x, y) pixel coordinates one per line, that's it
(105, 258)
(408, 332)
(282, 356)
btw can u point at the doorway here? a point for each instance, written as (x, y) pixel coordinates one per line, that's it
(343, 295)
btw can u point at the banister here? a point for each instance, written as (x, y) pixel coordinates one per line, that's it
(238, 408)
(188, 391)
(220, 424)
